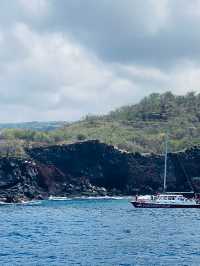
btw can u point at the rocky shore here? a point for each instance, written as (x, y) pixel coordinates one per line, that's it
(92, 168)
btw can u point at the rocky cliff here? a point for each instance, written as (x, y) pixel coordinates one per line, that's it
(92, 168)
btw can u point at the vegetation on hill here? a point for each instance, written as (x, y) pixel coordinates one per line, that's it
(138, 128)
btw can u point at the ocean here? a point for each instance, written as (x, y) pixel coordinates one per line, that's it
(97, 232)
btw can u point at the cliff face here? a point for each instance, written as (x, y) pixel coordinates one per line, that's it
(93, 168)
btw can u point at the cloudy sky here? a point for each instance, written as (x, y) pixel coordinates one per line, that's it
(63, 59)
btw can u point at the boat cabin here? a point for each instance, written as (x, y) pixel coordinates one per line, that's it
(166, 198)
(170, 197)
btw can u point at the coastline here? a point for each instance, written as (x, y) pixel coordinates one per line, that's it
(78, 198)
(92, 169)
(91, 198)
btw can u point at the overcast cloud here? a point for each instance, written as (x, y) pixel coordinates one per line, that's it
(61, 60)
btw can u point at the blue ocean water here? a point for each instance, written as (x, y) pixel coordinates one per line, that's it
(97, 232)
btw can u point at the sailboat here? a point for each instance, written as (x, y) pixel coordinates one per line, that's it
(166, 199)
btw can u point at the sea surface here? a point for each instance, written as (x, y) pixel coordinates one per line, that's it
(97, 232)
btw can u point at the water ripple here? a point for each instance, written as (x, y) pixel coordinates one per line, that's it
(97, 232)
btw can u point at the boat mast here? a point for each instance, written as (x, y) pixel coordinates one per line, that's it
(165, 169)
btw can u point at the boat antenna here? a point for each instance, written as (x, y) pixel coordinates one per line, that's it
(165, 169)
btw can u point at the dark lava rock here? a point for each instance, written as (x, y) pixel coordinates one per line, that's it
(92, 168)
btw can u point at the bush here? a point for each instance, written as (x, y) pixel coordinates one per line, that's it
(81, 137)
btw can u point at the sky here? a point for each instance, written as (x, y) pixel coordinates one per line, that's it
(64, 59)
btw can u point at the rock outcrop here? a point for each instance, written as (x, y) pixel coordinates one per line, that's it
(92, 168)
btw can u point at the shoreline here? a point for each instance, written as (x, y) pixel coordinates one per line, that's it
(89, 198)
(57, 198)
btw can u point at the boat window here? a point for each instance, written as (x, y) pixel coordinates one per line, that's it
(171, 198)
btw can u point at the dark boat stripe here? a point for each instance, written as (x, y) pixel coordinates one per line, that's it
(155, 205)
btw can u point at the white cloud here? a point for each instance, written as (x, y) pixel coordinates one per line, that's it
(185, 77)
(158, 16)
(34, 7)
(57, 79)
(94, 58)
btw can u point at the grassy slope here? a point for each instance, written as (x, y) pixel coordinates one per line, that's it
(138, 127)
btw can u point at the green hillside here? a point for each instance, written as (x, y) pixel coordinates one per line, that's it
(138, 127)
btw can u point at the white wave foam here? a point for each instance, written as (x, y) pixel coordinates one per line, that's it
(58, 198)
(33, 202)
(90, 197)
